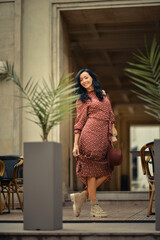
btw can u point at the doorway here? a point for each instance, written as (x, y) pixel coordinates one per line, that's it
(102, 37)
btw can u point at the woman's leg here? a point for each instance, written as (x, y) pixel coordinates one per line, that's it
(79, 198)
(91, 188)
(94, 183)
(100, 180)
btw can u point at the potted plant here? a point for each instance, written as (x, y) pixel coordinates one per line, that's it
(47, 105)
(145, 75)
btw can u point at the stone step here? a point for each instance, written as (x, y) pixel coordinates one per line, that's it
(121, 196)
(92, 231)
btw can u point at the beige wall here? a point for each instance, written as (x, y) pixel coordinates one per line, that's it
(36, 61)
(36, 52)
(10, 45)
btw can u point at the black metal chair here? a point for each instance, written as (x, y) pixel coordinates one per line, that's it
(147, 161)
(11, 180)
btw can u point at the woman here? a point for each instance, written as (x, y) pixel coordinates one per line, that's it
(93, 131)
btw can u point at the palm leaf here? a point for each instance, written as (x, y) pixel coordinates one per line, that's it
(153, 49)
(140, 58)
(46, 104)
(138, 74)
(141, 66)
(146, 77)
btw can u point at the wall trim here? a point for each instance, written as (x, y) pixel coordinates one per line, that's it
(95, 4)
(7, 1)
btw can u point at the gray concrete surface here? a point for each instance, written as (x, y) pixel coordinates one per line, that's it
(126, 221)
(86, 228)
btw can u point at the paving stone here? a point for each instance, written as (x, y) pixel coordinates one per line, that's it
(118, 211)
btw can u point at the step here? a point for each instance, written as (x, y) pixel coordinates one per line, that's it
(93, 231)
(121, 196)
(125, 195)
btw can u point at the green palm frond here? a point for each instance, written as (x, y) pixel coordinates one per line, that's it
(145, 75)
(46, 104)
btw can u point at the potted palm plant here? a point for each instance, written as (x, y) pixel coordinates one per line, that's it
(145, 75)
(47, 106)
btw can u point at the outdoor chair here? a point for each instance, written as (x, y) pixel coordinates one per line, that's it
(11, 180)
(147, 161)
(2, 169)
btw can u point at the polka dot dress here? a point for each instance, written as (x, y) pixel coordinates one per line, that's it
(94, 124)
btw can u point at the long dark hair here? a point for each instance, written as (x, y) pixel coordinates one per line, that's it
(82, 91)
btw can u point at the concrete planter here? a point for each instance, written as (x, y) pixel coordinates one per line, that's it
(42, 186)
(157, 182)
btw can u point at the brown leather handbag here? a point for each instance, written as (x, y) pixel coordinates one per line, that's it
(114, 157)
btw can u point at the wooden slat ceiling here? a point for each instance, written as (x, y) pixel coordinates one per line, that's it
(104, 39)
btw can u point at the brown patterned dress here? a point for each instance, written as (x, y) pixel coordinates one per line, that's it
(94, 124)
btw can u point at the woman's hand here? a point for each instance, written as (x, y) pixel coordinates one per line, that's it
(75, 151)
(113, 140)
(114, 135)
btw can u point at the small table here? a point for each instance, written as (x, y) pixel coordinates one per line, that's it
(138, 153)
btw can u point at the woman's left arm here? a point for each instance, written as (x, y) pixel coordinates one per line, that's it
(113, 131)
(114, 134)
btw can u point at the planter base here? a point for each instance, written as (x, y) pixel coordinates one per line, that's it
(42, 186)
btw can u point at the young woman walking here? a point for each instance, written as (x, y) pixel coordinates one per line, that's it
(93, 131)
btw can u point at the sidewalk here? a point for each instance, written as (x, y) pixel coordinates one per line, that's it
(126, 219)
(117, 211)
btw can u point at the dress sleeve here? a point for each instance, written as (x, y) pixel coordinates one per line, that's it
(111, 119)
(81, 116)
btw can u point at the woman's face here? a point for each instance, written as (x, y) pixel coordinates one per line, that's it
(86, 81)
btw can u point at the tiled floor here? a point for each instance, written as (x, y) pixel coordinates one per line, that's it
(118, 211)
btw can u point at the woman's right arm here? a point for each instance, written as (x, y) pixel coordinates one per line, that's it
(79, 123)
(76, 148)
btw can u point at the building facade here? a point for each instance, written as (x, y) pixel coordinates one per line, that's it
(43, 37)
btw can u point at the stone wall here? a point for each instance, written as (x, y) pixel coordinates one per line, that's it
(10, 114)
